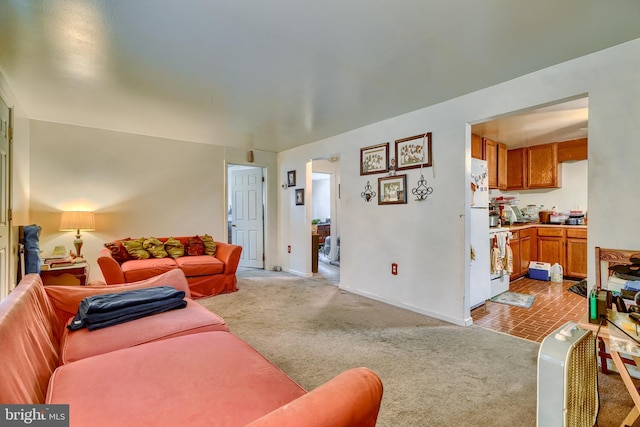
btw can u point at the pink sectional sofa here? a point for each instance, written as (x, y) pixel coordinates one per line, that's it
(181, 367)
(207, 275)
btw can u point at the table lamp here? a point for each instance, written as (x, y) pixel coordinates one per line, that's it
(76, 221)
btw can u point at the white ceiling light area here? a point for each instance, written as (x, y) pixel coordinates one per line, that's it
(279, 74)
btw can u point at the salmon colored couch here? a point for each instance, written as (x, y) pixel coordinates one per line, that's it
(207, 275)
(181, 367)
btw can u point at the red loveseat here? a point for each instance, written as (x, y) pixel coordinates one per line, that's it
(181, 367)
(207, 275)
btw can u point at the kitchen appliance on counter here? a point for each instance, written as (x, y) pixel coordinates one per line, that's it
(479, 284)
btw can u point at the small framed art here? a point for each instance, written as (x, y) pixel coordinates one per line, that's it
(413, 152)
(291, 179)
(392, 190)
(300, 196)
(374, 159)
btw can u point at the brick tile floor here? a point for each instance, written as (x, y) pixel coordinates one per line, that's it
(552, 307)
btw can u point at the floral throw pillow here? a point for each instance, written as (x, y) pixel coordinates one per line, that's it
(194, 246)
(118, 251)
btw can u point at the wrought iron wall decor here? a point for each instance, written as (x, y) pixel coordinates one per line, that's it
(421, 191)
(368, 194)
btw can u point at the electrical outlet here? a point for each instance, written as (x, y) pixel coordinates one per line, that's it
(289, 249)
(394, 269)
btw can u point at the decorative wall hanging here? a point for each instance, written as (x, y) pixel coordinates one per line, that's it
(413, 152)
(368, 194)
(374, 159)
(299, 196)
(291, 179)
(421, 191)
(392, 190)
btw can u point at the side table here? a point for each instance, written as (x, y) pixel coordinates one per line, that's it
(603, 333)
(73, 275)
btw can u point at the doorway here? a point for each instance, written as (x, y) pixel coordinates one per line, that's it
(5, 219)
(245, 213)
(325, 215)
(562, 124)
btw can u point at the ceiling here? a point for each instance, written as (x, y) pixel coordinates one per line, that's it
(276, 74)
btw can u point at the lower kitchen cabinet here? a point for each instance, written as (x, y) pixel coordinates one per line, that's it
(576, 253)
(521, 248)
(565, 246)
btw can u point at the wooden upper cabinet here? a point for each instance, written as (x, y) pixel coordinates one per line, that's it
(576, 149)
(477, 147)
(502, 166)
(517, 169)
(543, 168)
(496, 157)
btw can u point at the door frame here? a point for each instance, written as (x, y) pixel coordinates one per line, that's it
(229, 202)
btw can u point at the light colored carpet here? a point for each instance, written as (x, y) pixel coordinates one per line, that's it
(434, 373)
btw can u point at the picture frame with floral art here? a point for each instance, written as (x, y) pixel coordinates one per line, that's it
(374, 159)
(299, 196)
(392, 190)
(291, 179)
(413, 152)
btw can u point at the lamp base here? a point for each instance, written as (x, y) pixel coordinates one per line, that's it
(78, 245)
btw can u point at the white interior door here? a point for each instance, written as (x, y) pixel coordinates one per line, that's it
(4, 198)
(247, 218)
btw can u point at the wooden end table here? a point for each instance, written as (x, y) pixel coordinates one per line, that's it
(73, 275)
(603, 333)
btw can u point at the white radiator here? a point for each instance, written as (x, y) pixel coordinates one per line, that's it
(568, 378)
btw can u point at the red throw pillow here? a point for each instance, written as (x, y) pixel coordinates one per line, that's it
(194, 246)
(118, 251)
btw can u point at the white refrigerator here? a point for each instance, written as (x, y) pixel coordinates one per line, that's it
(480, 281)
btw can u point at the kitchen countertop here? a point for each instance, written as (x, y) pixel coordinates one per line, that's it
(523, 226)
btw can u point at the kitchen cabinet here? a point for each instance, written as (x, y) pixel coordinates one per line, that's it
(576, 253)
(576, 149)
(477, 147)
(533, 167)
(517, 169)
(520, 243)
(551, 245)
(543, 167)
(496, 157)
(567, 246)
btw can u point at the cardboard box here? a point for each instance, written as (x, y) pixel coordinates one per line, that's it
(540, 270)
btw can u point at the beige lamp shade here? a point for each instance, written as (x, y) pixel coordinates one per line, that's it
(74, 221)
(77, 221)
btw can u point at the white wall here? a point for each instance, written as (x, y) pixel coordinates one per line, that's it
(137, 185)
(429, 240)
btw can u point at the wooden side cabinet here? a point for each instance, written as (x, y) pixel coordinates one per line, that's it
(520, 243)
(75, 275)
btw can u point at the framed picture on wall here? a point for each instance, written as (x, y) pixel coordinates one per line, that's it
(392, 190)
(291, 179)
(374, 159)
(413, 152)
(300, 196)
